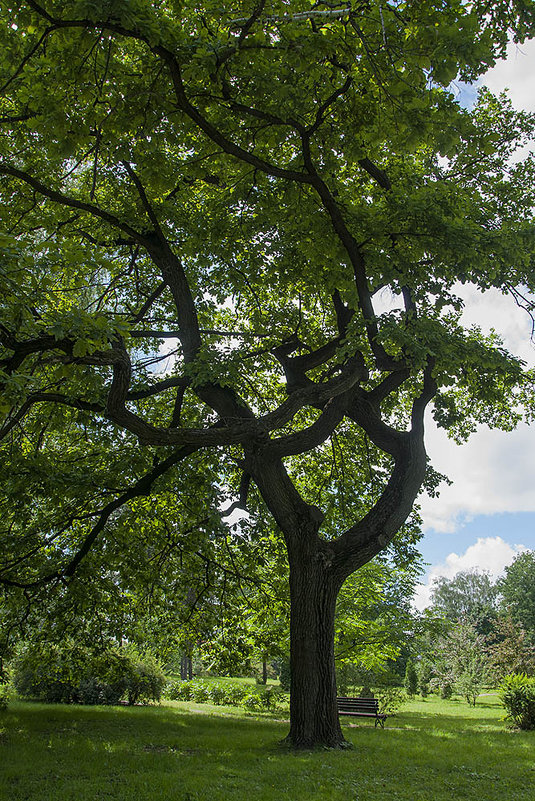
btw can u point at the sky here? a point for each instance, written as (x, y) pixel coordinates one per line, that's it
(487, 516)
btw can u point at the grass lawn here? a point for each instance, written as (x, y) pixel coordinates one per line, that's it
(431, 751)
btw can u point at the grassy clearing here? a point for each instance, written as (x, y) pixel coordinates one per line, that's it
(431, 751)
(245, 680)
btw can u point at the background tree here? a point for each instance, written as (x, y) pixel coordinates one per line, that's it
(410, 681)
(510, 649)
(470, 595)
(517, 589)
(460, 663)
(202, 208)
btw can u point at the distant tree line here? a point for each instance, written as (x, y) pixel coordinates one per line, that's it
(478, 632)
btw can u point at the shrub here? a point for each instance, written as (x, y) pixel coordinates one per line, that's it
(218, 695)
(71, 673)
(517, 693)
(48, 672)
(234, 694)
(200, 692)
(446, 691)
(4, 697)
(411, 678)
(92, 691)
(284, 674)
(179, 690)
(145, 678)
(347, 677)
(390, 699)
(253, 702)
(227, 695)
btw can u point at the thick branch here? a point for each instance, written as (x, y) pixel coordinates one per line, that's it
(308, 438)
(214, 134)
(374, 532)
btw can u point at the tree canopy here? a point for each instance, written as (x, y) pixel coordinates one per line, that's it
(470, 595)
(232, 241)
(517, 589)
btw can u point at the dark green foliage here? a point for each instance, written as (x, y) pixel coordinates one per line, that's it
(284, 674)
(424, 678)
(347, 677)
(146, 679)
(411, 678)
(72, 673)
(517, 693)
(517, 589)
(4, 696)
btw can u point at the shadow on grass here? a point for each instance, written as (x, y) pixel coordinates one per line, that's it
(162, 753)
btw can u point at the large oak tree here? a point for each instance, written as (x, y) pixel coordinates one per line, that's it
(232, 242)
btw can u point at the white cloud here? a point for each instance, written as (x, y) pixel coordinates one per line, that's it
(515, 73)
(488, 554)
(493, 471)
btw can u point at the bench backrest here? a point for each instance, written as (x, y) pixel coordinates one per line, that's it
(370, 705)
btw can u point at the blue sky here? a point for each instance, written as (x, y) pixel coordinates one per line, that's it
(487, 516)
(514, 527)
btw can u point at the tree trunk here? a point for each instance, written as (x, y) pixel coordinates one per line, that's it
(313, 712)
(264, 671)
(186, 667)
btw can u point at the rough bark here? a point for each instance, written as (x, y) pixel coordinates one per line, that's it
(313, 713)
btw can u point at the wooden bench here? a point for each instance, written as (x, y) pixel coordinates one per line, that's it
(361, 708)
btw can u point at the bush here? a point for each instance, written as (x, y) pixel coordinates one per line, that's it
(253, 702)
(390, 699)
(347, 677)
(145, 678)
(92, 691)
(48, 672)
(234, 694)
(200, 692)
(4, 697)
(284, 674)
(71, 673)
(274, 699)
(218, 695)
(446, 691)
(227, 694)
(517, 693)
(178, 690)
(411, 678)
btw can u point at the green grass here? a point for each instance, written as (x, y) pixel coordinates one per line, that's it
(431, 751)
(246, 681)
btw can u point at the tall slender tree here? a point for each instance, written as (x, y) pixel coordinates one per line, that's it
(205, 212)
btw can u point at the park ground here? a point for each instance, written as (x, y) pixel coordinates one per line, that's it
(431, 750)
